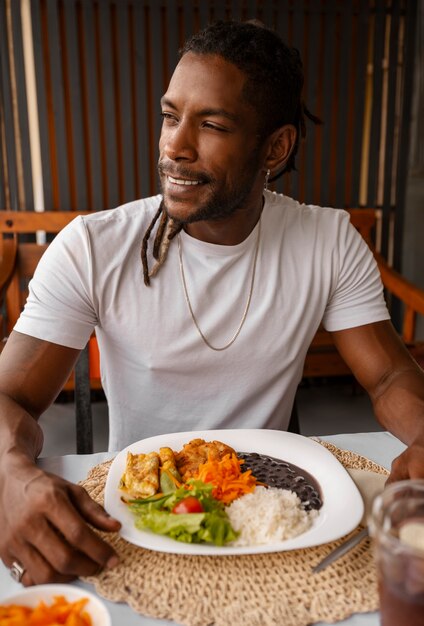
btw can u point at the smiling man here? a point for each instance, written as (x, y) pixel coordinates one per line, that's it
(210, 328)
(209, 156)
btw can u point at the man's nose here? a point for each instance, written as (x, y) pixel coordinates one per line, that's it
(180, 143)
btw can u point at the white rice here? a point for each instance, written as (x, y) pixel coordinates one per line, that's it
(268, 516)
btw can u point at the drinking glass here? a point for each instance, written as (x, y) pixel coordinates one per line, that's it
(397, 526)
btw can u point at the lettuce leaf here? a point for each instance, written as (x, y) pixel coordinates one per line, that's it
(211, 526)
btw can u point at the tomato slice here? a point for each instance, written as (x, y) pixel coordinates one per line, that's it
(188, 505)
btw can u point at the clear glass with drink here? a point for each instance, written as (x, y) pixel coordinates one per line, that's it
(397, 526)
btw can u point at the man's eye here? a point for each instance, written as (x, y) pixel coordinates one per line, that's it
(214, 127)
(168, 116)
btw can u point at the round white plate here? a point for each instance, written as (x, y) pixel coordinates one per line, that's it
(34, 595)
(342, 503)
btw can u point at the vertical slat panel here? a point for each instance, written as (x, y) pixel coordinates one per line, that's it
(376, 130)
(107, 95)
(203, 13)
(135, 121)
(301, 34)
(298, 43)
(328, 100)
(379, 31)
(3, 159)
(25, 153)
(320, 131)
(334, 105)
(123, 98)
(268, 13)
(282, 21)
(359, 52)
(391, 101)
(236, 10)
(351, 71)
(251, 9)
(141, 99)
(157, 83)
(56, 104)
(311, 91)
(73, 107)
(89, 77)
(218, 10)
(115, 52)
(6, 95)
(172, 34)
(4, 178)
(402, 164)
(42, 96)
(188, 18)
(339, 146)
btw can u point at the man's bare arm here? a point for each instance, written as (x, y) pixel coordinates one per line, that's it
(44, 519)
(395, 383)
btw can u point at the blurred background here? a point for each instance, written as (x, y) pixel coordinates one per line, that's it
(80, 83)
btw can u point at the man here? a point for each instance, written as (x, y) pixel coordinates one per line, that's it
(212, 327)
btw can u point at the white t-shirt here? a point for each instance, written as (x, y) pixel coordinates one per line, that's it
(157, 373)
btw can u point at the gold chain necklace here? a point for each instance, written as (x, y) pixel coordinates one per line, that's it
(183, 280)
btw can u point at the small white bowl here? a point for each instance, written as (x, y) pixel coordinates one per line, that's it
(31, 596)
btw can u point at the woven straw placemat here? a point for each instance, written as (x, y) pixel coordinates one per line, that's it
(252, 590)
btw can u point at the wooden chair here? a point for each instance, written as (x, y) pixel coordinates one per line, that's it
(322, 359)
(18, 259)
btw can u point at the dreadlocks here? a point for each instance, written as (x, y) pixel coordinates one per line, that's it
(274, 81)
(167, 230)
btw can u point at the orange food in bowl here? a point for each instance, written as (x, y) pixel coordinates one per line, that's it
(59, 612)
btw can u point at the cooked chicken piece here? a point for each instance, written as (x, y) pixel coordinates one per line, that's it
(196, 452)
(168, 462)
(141, 476)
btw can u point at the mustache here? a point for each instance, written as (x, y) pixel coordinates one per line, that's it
(184, 172)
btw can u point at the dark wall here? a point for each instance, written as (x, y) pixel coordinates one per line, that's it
(101, 67)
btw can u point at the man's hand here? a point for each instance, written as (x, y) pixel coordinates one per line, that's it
(409, 464)
(44, 523)
(44, 520)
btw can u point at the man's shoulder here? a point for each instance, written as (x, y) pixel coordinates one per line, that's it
(290, 212)
(281, 201)
(136, 212)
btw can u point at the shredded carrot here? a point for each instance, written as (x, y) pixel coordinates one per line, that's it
(227, 478)
(60, 612)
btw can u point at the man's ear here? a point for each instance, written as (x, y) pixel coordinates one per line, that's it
(280, 146)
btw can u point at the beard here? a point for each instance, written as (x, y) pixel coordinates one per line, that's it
(222, 201)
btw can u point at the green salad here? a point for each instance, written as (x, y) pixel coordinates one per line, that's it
(190, 515)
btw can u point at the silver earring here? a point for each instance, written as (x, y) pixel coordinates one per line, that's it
(268, 172)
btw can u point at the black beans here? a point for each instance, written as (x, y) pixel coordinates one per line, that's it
(283, 475)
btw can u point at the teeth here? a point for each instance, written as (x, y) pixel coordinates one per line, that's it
(181, 181)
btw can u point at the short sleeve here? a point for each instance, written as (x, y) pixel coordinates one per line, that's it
(357, 295)
(60, 306)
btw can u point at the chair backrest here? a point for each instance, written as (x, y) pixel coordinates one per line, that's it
(368, 223)
(19, 255)
(322, 359)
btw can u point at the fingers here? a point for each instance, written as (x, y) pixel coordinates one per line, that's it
(408, 465)
(49, 557)
(91, 511)
(78, 548)
(46, 529)
(37, 570)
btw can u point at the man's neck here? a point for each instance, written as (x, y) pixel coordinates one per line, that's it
(227, 231)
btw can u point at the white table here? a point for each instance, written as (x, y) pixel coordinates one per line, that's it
(380, 447)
